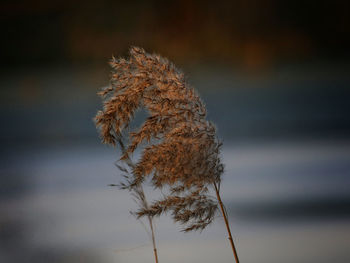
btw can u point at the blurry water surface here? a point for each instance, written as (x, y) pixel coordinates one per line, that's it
(286, 184)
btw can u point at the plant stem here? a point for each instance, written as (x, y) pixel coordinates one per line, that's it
(223, 211)
(153, 239)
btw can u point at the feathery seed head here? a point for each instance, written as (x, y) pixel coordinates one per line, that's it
(185, 158)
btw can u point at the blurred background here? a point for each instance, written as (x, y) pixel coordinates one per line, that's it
(275, 78)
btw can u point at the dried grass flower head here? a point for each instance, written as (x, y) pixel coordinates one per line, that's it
(181, 153)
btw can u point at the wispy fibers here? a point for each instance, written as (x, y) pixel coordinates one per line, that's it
(181, 155)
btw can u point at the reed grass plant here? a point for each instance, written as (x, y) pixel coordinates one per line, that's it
(180, 152)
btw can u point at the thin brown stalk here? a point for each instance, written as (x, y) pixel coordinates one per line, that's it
(144, 205)
(224, 214)
(139, 195)
(153, 239)
(140, 198)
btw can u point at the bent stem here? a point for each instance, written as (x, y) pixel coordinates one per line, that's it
(223, 211)
(153, 238)
(140, 195)
(143, 202)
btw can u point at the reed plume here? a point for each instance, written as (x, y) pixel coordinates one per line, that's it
(181, 155)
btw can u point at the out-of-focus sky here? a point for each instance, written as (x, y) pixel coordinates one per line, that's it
(274, 76)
